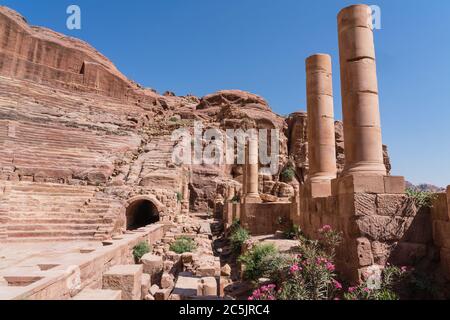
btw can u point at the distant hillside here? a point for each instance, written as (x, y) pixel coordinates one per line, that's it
(424, 187)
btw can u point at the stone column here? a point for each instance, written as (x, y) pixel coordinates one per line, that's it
(362, 129)
(252, 170)
(231, 193)
(321, 135)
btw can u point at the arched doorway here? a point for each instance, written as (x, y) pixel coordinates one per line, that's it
(141, 212)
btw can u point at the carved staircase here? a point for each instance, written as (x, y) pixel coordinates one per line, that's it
(49, 212)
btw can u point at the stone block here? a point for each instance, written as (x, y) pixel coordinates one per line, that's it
(168, 266)
(394, 185)
(167, 281)
(206, 271)
(99, 295)
(173, 256)
(363, 252)
(440, 208)
(208, 287)
(381, 252)
(145, 284)
(126, 278)
(163, 294)
(153, 289)
(320, 189)
(186, 286)
(152, 264)
(395, 205)
(225, 270)
(382, 228)
(441, 234)
(187, 257)
(358, 184)
(359, 204)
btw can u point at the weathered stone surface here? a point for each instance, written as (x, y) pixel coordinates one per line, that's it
(167, 281)
(126, 278)
(101, 295)
(383, 228)
(145, 284)
(208, 287)
(225, 270)
(395, 205)
(163, 294)
(153, 264)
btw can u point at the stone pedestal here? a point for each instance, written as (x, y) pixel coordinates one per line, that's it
(360, 103)
(126, 278)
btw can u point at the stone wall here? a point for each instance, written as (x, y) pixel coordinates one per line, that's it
(440, 214)
(379, 223)
(79, 270)
(265, 218)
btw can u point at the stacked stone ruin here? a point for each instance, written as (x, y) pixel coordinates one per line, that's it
(380, 224)
(86, 151)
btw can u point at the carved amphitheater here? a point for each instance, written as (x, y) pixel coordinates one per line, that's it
(86, 174)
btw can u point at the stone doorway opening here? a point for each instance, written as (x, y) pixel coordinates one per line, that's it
(140, 213)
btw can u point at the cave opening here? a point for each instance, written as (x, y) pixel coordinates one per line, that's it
(141, 213)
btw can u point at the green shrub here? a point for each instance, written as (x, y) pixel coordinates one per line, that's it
(182, 245)
(238, 236)
(293, 233)
(288, 174)
(382, 288)
(236, 224)
(307, 275)
(140, 250)
(253, 260)
(174, 119)
(236, 199)
(421, 198)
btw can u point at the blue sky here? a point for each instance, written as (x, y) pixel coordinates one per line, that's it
(201, 46)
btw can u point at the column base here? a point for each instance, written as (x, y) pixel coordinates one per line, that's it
(252, 198)
(365, 168)
(368, 184)
(318, 188)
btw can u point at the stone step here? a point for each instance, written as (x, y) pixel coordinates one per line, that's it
(52, 227)
(101, 295)
(49, 239)
(48, 234)
(39, 215)
(61, 220)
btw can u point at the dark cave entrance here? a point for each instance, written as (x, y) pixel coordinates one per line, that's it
(141, 213)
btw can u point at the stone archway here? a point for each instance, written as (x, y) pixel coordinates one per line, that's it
(142, 211)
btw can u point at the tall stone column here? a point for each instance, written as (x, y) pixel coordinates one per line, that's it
(360, 104)
(252, 171)
(321, 134)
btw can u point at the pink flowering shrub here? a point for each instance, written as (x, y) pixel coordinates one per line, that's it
(384, 289)
(266, 292)
(310, 274)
